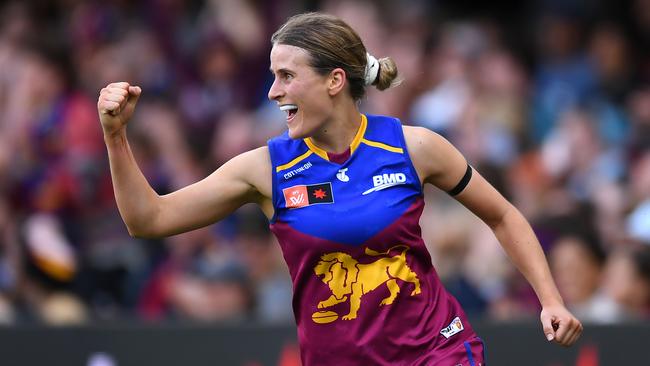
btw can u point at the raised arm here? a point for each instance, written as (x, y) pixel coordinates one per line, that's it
(439, 163)
(245, 178)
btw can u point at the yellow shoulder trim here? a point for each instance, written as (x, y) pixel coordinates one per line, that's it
(293, 162)
(359, 136)
(315, 149)
(380, 145)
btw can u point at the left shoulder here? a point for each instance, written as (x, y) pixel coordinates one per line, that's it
(417, 133)
(420, 140)
(435, 159)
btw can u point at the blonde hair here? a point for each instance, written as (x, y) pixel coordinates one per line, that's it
(332, 43)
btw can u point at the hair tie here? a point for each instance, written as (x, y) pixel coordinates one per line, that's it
(372, 69)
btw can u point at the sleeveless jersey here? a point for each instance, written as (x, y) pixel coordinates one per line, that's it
(365, 290)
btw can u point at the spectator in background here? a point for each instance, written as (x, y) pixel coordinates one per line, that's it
(261, 254)
(565, 77)
(202, 279)
(577, 265)
(9, 264)
(440, 108)
(638, 221)
(215, 92)
(213, 288)
(638, 110)
(491, 128)
(627, 280)
(52, 176)
(576, 156)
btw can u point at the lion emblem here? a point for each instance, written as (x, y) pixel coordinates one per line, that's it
(347, 278)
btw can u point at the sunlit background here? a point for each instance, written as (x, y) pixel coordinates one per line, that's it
(549, 100)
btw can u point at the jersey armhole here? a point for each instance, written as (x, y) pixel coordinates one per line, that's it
(407, 156)
(274, 181)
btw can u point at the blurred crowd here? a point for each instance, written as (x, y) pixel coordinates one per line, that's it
(549, 100)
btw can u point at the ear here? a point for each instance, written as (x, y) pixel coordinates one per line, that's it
(336, 81)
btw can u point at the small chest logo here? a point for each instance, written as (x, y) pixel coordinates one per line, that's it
(456, 326)
(341, 175)
(386, 180)
(305, 195)
(296, 196)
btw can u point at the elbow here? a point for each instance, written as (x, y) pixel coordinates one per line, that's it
(135, 233)
(495, 223)
(142, 226)
(492, 223)
(502, 218)
(511, 220)
(141, 232)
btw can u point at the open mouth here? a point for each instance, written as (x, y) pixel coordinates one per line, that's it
(291, 110)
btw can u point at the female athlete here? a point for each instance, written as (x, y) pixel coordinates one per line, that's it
(343, 193)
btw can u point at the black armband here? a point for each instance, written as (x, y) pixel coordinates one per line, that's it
(463, 182)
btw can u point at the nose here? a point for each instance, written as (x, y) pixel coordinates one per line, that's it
(275, 92)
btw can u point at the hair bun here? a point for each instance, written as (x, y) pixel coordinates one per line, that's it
(387, 76)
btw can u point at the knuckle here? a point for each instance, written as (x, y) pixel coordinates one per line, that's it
(121, 92)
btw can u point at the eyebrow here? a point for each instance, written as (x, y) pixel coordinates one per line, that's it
(280, 70)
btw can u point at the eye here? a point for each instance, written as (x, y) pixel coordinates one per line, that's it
(286, 76)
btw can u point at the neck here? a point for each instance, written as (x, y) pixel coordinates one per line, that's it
(337, 134)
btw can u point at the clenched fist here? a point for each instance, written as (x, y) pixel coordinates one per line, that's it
(116, 105)
(560, 325)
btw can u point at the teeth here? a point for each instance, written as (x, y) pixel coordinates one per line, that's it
(288, 107)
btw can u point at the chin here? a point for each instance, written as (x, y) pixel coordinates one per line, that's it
(296, 133)
(300, 129)
(296, 136)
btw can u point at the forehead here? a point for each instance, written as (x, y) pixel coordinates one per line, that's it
(288, 57)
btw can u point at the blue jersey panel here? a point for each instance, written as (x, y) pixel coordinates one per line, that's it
(349, 202)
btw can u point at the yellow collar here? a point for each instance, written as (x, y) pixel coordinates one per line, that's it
(353, 146)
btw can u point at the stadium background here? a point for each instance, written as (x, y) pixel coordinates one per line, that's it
(549, 99)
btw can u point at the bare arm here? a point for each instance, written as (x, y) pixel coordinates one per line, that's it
(241, 180)
(442, 165)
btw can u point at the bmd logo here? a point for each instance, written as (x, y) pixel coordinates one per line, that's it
(390, 178)
(386, 180)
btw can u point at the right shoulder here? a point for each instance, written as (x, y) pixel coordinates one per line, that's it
(255, 168)
(255, 156)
